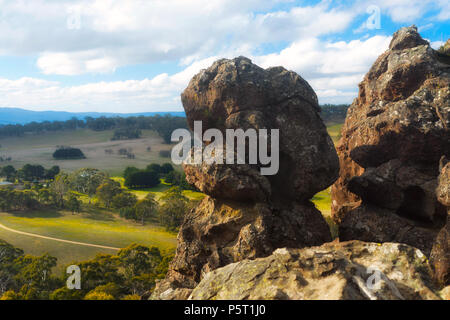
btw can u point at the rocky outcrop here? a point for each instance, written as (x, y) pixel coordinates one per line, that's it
(237, 94)
(246, 214)
(440, 254)
(220, 232)
(374, 224)
(395, 132)
(350, 270)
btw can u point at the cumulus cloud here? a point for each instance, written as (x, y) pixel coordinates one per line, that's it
(161, 92)
(332, 68)
(63, 63)
(76, 37)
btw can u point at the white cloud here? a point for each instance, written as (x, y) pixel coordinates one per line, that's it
(76, 37)
(332, 68)
(408, 11)
(436, 44)
(444, 14)
(75, 63)
(161, 92)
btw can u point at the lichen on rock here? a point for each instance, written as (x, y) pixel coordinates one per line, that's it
(351, 270)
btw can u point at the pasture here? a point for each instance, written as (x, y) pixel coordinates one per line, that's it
(38, 149)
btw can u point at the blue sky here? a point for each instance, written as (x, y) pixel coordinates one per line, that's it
(137, 56)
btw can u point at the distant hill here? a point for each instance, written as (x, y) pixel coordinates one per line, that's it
(22, 116)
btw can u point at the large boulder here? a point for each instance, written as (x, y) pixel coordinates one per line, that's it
(334, 271)
(241, 182)
(237, 94)
(402, 113)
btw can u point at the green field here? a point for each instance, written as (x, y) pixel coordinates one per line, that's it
(96, 227)
(322, 201)
(38, 149)
(334, 130)
(159, 190)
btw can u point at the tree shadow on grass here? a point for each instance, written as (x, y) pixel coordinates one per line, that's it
(48, 213)
(97, 214)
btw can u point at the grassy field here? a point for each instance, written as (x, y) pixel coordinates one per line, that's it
(334, 130)
(96, 227)
(159, 190)
(38, 149)
(322, 201)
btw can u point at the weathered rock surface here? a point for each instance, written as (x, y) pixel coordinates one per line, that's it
(248, 215)
(402, 113)
(409, 190)
(440, 254)
(395, 132)
(237, 94)
(347, 270)
(220, 232)
(374, 224)
(241, 182)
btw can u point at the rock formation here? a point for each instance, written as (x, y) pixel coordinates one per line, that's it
(395, 132)
(350, 270)
(246, 214)
(440, 253)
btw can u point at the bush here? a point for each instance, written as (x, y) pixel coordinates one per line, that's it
(174, 208)
(166, 168)
(63, 153)
(129, 170)
(142, 179)
(178, 179)
(124, 200)
(154, 167)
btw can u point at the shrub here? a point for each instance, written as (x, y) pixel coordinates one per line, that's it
(142, 179)
(154, 167)
(63, 153)
(166, 168)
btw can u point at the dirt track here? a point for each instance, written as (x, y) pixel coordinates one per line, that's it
(59, 240)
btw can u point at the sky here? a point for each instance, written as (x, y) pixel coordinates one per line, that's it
(139, 55)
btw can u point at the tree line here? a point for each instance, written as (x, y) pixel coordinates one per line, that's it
(28, 173)
(66, 191)
(332, 112)
(127, 127)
